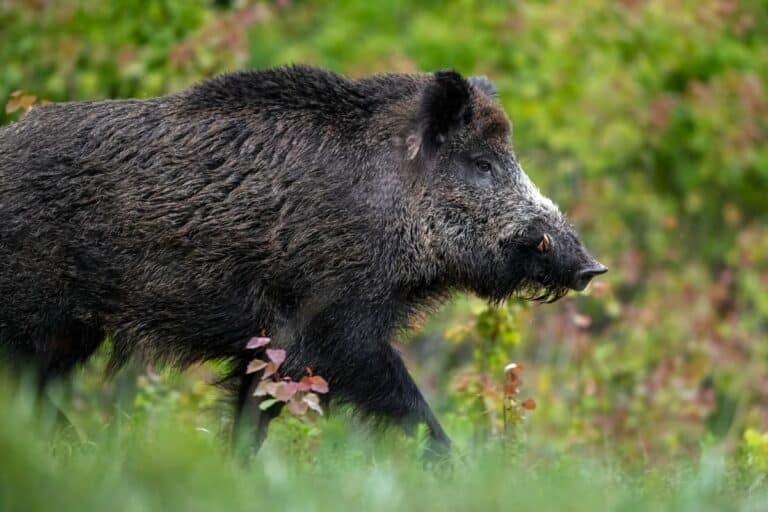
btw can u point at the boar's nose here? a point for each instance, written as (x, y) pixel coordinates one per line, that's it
(585, 275)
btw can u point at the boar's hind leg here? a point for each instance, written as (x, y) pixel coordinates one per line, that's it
(58, 354)
(65, 348)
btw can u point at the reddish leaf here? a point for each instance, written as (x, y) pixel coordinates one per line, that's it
(276, 355)
(313, 402)
(255, 365)
(581, 321)
(270, 370)
(284, 391)
(510, 389)
(318, 384)
(513, 367)
(257, 342)
(528, 404)
(265, 387)
(304, 384)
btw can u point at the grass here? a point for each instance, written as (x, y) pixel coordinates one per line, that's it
(142, 461)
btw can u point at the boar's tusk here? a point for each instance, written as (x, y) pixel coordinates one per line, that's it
(545, 244)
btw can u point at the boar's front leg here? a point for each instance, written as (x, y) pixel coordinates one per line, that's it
(348, 345)
(249, 429)
(385, 389)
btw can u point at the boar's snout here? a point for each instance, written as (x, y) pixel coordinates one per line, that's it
(583, 276)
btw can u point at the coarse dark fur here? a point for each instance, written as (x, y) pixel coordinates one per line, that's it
(293, 203)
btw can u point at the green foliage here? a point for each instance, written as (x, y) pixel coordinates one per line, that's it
(164, 463)
(756, 449)
(647, 120)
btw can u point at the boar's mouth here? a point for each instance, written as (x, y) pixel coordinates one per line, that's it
(534, 270)
(548, 289)
(527, 279)
(542, 289)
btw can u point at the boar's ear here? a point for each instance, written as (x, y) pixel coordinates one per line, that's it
(484, 84)
(445, 108)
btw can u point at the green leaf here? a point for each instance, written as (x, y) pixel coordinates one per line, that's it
(266, 404)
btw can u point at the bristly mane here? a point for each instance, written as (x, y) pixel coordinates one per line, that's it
(301, 88)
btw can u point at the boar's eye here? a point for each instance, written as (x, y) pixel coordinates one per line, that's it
(483, 166)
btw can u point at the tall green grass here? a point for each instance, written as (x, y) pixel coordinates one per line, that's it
(142, 462)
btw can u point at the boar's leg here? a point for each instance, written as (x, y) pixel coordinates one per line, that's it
(51, 356)
(349, 346)
(69, 346)
(249, 429)
(385, 389)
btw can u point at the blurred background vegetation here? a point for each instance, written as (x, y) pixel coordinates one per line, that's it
(646, 120)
